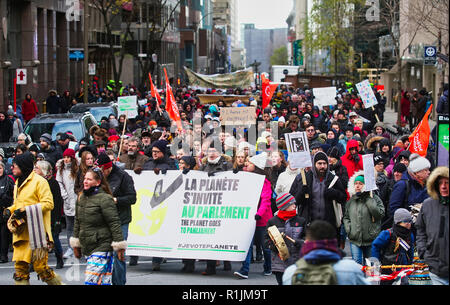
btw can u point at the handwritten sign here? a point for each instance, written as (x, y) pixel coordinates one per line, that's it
(237, 115)
(128, 105)
(324, 96)
(366, 94)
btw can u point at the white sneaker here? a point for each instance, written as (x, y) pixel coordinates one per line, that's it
(69, 253)
(240, 275)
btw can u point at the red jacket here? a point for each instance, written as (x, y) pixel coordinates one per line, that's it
(29, 109)
(349, 162)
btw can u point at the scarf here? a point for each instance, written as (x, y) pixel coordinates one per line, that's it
(285, 215)
(324, 244)
(36, 231)
(214, 161)
(443, 200)
(91, 191)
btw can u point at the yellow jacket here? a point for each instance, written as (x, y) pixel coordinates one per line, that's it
(35, 189)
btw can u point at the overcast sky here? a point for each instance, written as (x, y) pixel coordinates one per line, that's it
(265, 14)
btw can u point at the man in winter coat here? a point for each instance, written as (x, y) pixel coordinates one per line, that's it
(6, 128)
(315, 197)
(432, 226)
(53, 103)
(159, 160)
(411, 189)
(133, 159)
(352, 160)
(334, 159)
(49, 151)
(442, 107)
(124, 195)
(30, 189)
(6, 199)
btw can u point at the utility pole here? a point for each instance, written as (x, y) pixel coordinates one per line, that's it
(86, 51)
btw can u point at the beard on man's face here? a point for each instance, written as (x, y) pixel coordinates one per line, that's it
(321, 172)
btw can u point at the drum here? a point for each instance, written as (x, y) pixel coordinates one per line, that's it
(279, 242)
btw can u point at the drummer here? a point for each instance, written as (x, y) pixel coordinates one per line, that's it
(293, 226)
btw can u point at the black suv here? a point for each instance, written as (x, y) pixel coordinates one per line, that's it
(98, 110)
(77, 123)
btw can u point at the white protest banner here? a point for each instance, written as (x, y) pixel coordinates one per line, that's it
(128, 105)
(369, 173)
(366, 94)
(298, 150)
(324, 96)
(237, 115)
(194, 216)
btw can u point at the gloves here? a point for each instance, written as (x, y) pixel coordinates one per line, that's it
(138, 170)
(186, 170)
(20, 213)
(331, 193)
(257, 217)
(156, 171)
(235, 170)
(77, 252)
(6, 215)
(210, 174)
(356, 158)
(164, 171)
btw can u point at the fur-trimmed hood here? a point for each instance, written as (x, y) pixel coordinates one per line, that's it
(351, 183)
(441, 171)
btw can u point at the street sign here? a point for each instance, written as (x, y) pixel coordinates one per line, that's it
(429, 56)
(21, 75)
(76, 54)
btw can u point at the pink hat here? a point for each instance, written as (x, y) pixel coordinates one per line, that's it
(69, 153)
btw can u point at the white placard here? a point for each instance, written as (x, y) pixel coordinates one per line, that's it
(194, 216)
(369, 173)
(366, 93)
(128, 105)
(298, 150)
(72, 145)
(92, 69)
(324, 96)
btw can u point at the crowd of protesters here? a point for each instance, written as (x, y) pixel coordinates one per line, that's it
(94, 174)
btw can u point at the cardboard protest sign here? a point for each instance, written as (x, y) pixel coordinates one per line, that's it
(237, 115)
(298, 150)
(369, 173)
(324, 96)
(366, 94)
(128, 105)
(193, 215)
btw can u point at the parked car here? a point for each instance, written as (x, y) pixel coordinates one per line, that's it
(98, 110)
(77, 123)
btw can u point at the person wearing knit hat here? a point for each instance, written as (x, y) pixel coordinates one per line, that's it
(35, 190)
(398, 170)
(395, 245)
(363, 216)
(315, 194)
(288, 222)
(411, 189)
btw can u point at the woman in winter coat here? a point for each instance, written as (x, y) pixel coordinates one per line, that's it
(285, 179)
(29, 108)
(97, 231)
(257, 164)
(352, 159)
(362, 218)
(67, 171)
(287, 221)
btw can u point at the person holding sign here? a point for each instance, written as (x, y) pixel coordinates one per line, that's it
(257, 164)
(315, 197)
(362, 218)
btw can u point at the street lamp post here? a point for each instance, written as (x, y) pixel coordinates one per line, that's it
(86, 52)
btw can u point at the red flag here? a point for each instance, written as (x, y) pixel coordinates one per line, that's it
(171, 105)
(420, 138)
(268, 89)
(154, 91)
